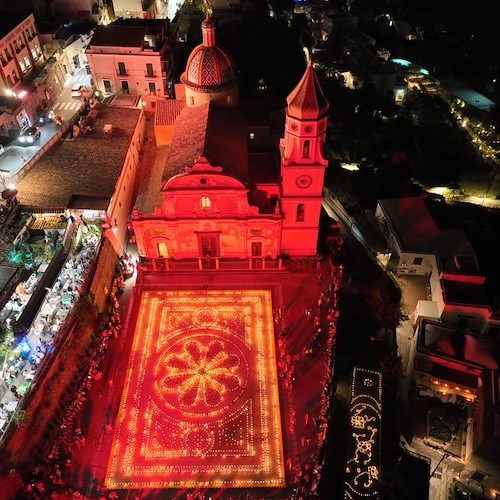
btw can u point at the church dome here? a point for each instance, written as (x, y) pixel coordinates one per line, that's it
(208, 66)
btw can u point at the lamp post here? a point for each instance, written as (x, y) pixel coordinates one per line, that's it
(9, 192)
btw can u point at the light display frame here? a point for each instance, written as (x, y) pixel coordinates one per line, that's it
(200, 405)
(363, 469)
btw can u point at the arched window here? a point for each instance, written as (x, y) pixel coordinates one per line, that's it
(205, 203)
(305, 149)
(299, 217)
(192, 101)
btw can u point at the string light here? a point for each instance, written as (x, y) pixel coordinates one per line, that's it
(366, 416)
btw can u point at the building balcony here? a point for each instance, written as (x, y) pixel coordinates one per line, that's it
(150, 74)
(121, 73)
(3, 61)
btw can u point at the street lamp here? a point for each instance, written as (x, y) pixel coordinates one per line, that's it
(9, 192)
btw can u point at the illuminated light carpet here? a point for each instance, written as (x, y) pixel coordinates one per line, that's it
(200, 404)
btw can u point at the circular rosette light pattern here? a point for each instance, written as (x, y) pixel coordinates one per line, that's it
(202, 374)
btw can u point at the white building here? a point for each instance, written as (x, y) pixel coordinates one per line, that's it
(419, 246)
(131, 59)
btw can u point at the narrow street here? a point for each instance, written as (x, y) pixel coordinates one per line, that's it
(15, 155)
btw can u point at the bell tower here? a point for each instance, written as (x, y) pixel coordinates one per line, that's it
(303, 165)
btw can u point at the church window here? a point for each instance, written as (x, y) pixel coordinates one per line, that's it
(205, 203)
(229, 99)
(305, 149)
(192, 101)
(300, 213)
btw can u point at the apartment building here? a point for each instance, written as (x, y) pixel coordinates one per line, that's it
(132, 57)
(20, 52)
(455, 373)
(422, 243)
(20, 48)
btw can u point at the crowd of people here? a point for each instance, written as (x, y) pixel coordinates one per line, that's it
(49, 476)
(305, 476)
(39, 340)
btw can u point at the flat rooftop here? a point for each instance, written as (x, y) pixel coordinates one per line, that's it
(83, 168)
(458, 292)
(118, 36)
(448, 342)
(417, 229)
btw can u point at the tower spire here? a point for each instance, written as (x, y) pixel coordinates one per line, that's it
(307, 101)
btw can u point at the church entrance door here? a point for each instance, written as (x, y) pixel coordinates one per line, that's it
(208, 249)
(257, 255)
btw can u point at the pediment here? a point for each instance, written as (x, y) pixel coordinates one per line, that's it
(202, 165)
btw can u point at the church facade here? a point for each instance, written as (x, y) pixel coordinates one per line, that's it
(209, 197)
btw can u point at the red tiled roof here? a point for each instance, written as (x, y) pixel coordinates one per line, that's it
(167, 111)
(216, 132)
(149, 196)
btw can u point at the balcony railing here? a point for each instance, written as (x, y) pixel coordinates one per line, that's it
(212, 264)
(149, 74)
(120, 72)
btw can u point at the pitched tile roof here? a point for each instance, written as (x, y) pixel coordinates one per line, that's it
(167, 111)
(149, 196)
(216, 132)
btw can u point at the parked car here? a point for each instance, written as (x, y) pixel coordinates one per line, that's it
(76, 90)
(29, 136)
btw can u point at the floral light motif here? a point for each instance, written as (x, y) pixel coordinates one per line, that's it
(201, 373)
